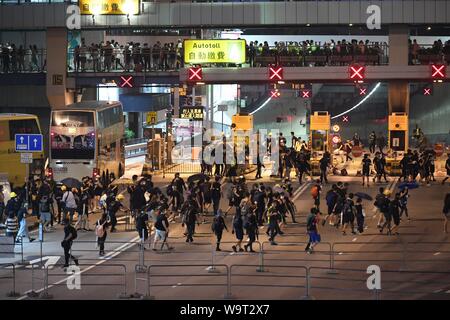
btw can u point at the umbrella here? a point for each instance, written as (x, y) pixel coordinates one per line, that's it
(197, 177)
(410, 185)
(71, 183)
(122, 182)
(364, 196)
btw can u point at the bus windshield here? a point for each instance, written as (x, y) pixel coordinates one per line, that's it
(72, 135)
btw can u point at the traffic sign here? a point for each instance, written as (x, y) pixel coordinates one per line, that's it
(152, 117)
(275, 73)
(438, 71)
(28, 142)
(427, 91)
(126, 81)
(195, 74)
(275, 94)
(26, 157)
(223, 107)
(336, 128)
(356, 72)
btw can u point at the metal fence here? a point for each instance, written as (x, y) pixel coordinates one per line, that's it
(8, 274)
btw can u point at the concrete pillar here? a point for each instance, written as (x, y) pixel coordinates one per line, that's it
(57, 93)
(398, 56)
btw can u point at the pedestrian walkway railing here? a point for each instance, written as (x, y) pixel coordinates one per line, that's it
(8, 274)
(187, 275)
(280, 277)
(75, 279)
(135, 150)
(350, 283)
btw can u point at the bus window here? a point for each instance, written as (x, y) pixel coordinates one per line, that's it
(72, 135)
(27, 126)
(4, 131)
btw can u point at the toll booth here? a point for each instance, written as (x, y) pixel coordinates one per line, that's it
(397, 142)
(242, 121)
(155, 153)
(319, 138)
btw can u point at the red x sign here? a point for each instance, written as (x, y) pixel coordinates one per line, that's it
(362, 91)
(427, 91)
(195, 74)
(275, 73)
(438, 71)
(345, 119)
(275, 94)
(306, 94)
(356, 72)
(126, 81)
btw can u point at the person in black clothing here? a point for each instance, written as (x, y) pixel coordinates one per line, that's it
(70, 234)
(137, 198)
(394, 211)
(216, 194)
(366, 163)
(178, 187)
(386, 209)
(359, 215)
(446, 211)
(324, 164)
(101, 227)
(259, 165)
(217, 227)
(141, 225)
(447, 167)
(190, 212)
(348, 214)
(260, 202)
(251, 226)
(372, 142)
(113, 205)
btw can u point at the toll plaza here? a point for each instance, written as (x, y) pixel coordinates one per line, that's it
(397, 142)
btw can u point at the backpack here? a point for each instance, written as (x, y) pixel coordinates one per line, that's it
(314, 191)
(44, 206)
(100, 229)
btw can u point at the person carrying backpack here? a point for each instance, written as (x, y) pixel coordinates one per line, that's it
(251, 226)
(190, 217)
(69, 203)
(101, 233)
(348, 214)
(217, 227)
(44, 212)
(331, 199)
(312, 220)
(70, 234)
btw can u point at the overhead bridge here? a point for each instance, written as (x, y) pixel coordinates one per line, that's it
(422, 73)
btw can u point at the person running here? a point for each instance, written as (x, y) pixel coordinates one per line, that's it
(238, 231)
(113, 205)
(386, 209)
(331, 199)
(100, 231)
(447, 167)
(446, 211)
(161, 230)
(312, 221)
(70, 234)
(217, 227)
(141, 225)
(360, 215)
(190, 218)
(404, 195)
(394, 211)
(366, 163)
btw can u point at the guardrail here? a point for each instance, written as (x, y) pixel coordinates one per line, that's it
(225, 275)
(10, 268)
(135, 150)
(67, 279)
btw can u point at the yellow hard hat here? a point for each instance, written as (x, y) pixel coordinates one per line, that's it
(120, 197)
(13, 194)
(387, 192)
(63, 188)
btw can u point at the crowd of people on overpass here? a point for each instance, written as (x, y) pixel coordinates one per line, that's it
(15, 59)
(438, 52)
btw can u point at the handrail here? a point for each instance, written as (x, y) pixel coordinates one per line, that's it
(13, 292)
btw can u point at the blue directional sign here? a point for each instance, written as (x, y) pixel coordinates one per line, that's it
(29, 142)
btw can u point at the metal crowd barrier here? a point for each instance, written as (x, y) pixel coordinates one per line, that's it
(244, 278)
(84, 276)
(225, 275)
(11, 268)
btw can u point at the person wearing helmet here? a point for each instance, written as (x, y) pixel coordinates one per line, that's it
(113, 205)
(13, 204)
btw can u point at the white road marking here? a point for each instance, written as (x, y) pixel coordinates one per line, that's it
(301, 190)
(112, 254)
(437, 253)
(448, 291)
(355, 239)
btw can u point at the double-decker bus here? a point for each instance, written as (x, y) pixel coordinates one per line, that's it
(86, 139)
(11, 167)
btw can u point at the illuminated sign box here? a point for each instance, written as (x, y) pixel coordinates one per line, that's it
(109, 7)
(191, 113)
(214, 51)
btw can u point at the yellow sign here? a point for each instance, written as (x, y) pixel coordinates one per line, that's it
(243, 122)
(96, 7)
(214, 51)
(193, 113)
(152, 118)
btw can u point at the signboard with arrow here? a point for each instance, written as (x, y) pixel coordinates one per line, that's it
(28, 142)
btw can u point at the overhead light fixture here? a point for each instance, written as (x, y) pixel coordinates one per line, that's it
(281, 82)
(199, 83)
(308, 25)
(428, 28)
(350, 24)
